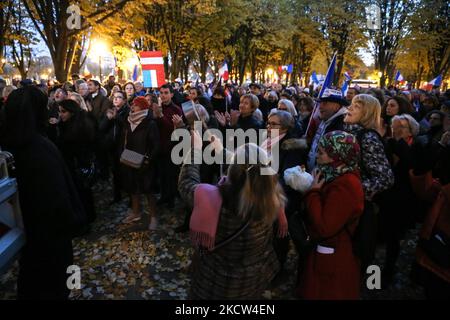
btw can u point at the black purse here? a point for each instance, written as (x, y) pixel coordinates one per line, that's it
(299, 233)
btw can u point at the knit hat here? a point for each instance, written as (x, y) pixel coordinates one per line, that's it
(141, 102)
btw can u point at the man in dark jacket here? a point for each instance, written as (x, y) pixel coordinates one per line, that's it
(331, 113)
(50, 205)
(168, 172)
(100, 105)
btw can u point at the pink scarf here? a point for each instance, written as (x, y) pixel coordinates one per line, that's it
(135, 118)
(206, 213)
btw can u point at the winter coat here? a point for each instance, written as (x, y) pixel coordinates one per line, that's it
(333, 276)
(166, 126)
(376, 172)
(244, 267)
(143, 140)
(112, 129)
(100, 104)
(437, 220)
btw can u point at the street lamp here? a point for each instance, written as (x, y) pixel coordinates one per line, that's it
(270, 73)
(99, 48)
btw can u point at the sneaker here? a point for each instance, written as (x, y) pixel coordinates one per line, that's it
(153, 224)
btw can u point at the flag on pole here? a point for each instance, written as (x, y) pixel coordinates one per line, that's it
(288, 68)
(152, 69)
(326, 85)
(223, 71)
(347, 80)
(314, 80)
(399, 77)
(329, 77)
(436, 82)
(135, 73)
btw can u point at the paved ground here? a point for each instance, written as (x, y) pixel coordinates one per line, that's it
(129, 262)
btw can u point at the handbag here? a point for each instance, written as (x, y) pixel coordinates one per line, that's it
(131, 158)
(299, 233)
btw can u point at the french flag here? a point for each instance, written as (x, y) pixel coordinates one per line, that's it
(347, 80)
(436, 82)
(223, 71)
(152, 69)
(288, 68)
(398, 77)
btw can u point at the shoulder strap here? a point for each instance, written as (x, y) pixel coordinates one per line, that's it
(226, 241)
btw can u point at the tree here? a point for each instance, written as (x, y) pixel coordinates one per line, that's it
(50, 20)
(5, 18)
(341, 23)
(385, 41)
(22, 38)
(432, 25)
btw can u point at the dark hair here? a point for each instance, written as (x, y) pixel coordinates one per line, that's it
(404, 106)
(308, 102)
(166, 86)
(25, 116)
(153, 96)
(219, 91)
(95, 82)
(439, 112)
(70, 105)
(124, 95)
(199, 93)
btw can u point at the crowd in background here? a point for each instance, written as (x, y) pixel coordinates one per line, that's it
(383, 151)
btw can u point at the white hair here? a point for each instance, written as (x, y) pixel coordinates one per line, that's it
(413, 124)
(289, 105)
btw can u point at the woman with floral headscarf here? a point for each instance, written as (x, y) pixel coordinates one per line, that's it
(334, 203)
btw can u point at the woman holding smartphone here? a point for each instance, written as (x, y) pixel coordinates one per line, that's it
(333, 205)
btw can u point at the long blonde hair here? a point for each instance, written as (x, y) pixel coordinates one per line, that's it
(260, 196)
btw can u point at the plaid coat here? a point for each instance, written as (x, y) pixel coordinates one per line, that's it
(243, 268)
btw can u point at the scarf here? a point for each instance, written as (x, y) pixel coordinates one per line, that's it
(269, 142)
(206, 213)
(135, 118)
(343, 148)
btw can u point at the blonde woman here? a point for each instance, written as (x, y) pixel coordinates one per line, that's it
(78, 99)
(246, 203)
(363, 119)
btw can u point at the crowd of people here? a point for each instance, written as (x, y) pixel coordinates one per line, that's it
(380, 154)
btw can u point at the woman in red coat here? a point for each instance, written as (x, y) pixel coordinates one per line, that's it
(334, 204)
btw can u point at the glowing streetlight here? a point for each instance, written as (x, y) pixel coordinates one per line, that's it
(3, 61)
(99, 48)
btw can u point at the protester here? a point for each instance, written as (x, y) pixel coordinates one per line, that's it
(49, 202)
(140, 135)
(334, 203)
(168, 172)
(76, 141)
(331, 113)
(246, 203)
(111, 126)
(130, 90)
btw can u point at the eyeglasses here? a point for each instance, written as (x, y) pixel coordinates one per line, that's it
(273, 124)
